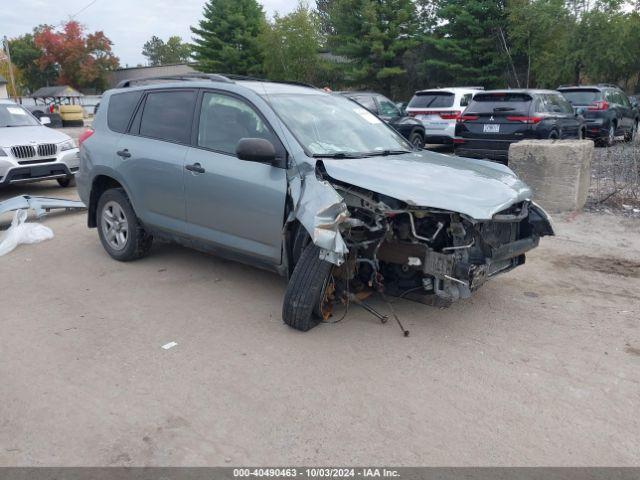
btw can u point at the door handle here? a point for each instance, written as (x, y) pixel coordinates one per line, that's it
(196, 167)
(123, 153)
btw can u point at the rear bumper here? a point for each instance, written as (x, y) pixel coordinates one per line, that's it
(482, 153)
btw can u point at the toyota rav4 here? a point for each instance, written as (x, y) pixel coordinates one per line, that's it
(299, 181)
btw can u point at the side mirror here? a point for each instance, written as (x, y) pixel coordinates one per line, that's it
(45, 120)
(256, 150)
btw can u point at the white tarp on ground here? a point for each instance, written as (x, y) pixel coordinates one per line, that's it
(21, 232)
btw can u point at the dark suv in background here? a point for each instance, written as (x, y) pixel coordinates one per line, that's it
(607, 110)
(407, 126)
(496, 119)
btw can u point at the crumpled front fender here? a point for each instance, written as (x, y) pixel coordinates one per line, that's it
(320, 210)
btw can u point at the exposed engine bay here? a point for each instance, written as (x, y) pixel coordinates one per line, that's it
(425, 254)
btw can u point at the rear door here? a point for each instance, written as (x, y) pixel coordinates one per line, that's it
(567, 123)
(627, 117)
(233, 203)
(152, 154)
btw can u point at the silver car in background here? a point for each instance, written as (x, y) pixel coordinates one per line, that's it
(31, 152)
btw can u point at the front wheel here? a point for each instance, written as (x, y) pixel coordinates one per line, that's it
(120, 231)
(67, 182)
(305, 290)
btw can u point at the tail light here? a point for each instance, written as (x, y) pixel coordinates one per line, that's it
(449, 115)
(601, 105)
(524, 119)
(84, 135)
(465, 118)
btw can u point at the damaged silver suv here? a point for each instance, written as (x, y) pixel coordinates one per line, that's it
(296, 180)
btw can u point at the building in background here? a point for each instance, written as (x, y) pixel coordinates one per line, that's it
(135, 73)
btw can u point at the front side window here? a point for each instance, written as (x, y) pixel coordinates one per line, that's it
(465, 99)
(168, 115)
(332, 125)
(225, 120)
(12, 115)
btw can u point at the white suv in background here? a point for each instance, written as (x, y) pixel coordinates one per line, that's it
(438, 109)
(31, 152)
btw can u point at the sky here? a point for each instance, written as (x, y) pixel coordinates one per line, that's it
(128, 23)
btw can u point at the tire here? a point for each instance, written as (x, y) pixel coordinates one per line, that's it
(305, 290)
(611, 137)
(67, 182)
(553, 135)
(416, 139)
(628, 137)
(131, 241)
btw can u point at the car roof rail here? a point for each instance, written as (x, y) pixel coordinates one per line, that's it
(611, 85)
(248, 78)
(195, 76)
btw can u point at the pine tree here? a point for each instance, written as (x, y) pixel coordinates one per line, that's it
(471, 42)
(374, 35)
(226, 39)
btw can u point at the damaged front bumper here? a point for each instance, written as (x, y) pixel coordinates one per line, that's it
(40, 205)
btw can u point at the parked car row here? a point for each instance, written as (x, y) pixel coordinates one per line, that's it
(482, 124)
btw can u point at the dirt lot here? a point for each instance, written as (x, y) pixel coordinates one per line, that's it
(539, 368)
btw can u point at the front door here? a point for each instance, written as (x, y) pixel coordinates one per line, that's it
(233, 203)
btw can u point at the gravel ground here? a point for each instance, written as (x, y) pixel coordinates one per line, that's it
(615, 180)
(540, 367)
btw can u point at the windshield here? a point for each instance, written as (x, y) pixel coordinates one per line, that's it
(332, 124)
(15, 116)
(581, 97)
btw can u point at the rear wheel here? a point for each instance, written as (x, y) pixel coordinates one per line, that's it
(416, 139)
(306, 290)
(553, 135)
(631, 134)
(611, 136)
(120, 231)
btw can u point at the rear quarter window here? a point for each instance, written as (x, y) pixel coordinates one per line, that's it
(500, 102)
(121, 107)
(432, 100)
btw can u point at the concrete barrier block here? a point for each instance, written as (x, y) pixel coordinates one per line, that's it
(558, 171)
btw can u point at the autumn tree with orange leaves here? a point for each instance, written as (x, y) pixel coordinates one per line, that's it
(81, 60)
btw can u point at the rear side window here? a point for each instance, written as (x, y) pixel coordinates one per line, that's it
(432, 100)
(168, 115)
(582, 96)
(121, 106)
(500, 102)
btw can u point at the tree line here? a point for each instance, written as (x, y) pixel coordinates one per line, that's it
(398, 46)
(391, 46)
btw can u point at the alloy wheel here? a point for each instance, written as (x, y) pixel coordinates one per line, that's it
(115, 226)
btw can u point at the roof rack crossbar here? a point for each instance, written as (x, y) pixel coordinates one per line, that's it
(214, 77)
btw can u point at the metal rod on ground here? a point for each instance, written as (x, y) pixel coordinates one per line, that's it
(11, 77)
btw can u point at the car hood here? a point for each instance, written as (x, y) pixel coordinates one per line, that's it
(10, 136)
(476, 188)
